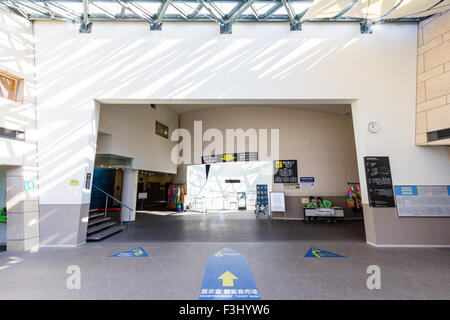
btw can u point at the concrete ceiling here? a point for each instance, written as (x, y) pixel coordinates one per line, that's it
(335, 106)
(340, 109)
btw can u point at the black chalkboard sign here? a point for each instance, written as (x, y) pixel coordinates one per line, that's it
(285, 171)
(379, 182)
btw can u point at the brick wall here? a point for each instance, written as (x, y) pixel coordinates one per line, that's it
(433, 77)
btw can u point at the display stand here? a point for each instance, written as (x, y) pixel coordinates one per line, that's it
(142, 196)
(278, 203)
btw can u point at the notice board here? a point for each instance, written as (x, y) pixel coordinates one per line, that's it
(423, 201)
(285, 171)
(379, 182)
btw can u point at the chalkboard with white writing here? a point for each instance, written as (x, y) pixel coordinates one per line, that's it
(379, 182)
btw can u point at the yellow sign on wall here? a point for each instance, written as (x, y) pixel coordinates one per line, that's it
(228, 157)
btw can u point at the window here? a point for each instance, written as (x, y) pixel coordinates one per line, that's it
(10, 86)
(438, 135)
(12, 134)
(162, 130)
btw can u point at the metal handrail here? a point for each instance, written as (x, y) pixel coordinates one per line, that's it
(117, 200)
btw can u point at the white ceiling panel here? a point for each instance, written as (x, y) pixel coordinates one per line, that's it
(371, 9)
(443, 6)
(326, 8)
(410, 7)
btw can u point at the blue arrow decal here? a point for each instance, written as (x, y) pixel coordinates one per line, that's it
(228, 277)
(318, 253)
(133, 253)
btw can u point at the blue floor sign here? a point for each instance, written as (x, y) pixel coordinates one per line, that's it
(228, 277)
(133, 253)
(317, 253)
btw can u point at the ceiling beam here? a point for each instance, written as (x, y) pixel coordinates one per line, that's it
(15, 9)
(196, 11)
(234, 15)
(295, 23)
(85, 25)
(346, 9)
(106, 11)
(157, 24)
(271, 11)
(127, 7)
(181, 11)
(216, 15)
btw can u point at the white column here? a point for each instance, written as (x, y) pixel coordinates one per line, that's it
(129, 193)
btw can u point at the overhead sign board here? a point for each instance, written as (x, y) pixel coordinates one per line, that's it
(230, 157)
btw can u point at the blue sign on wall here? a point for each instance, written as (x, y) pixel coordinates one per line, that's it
(406, 190)
(318, 253)
(133, 253)
(228, 277)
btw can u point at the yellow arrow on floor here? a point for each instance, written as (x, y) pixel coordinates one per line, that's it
(228, 279)
(314, 252)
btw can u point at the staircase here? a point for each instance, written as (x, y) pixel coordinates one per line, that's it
(100, 225)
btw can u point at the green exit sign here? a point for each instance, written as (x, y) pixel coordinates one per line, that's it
(28, 185)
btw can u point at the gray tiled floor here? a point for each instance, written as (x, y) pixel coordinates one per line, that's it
(175, 269)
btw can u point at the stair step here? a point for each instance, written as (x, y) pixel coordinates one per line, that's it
(95, 215)
(98, 220)
(99, 227)
(105, 233)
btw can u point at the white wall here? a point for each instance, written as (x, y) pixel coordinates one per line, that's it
(258, 61)
(192, 62)
(17, 58)
(131, 133)
(20, 157)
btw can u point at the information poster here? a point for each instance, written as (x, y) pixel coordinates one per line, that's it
(285, 171)
(423, 201)
(142, 195)
(379, 182)
(262, 197)
(307, 182)
(277, 202)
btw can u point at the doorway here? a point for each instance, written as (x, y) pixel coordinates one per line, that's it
(218, 187)
(153, 191)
